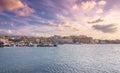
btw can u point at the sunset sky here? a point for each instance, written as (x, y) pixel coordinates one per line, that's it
(95, 18)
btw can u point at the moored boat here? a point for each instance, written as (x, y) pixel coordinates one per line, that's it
(1, 44)
(47, 45)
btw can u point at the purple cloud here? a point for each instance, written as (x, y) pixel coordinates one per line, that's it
(96, 21)
(110, 28)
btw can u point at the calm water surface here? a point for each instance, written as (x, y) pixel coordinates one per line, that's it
(61, 59)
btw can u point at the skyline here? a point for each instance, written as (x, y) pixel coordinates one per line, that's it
(96, 18)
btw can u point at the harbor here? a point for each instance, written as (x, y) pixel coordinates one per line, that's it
(52, 41)
(24, 44)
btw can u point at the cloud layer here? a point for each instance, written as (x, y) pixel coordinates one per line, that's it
(62, 17)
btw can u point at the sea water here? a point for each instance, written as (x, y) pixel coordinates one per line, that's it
(67, 58)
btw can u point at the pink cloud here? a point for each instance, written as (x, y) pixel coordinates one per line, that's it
(88, 5)
(24, 11)
(5, 32)
(99, 11)
(15, 6)
(75, 7)
(102, 2)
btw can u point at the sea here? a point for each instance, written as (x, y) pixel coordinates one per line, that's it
(67, 58)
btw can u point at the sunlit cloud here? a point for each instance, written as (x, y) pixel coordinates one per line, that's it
(99, 11)
(102, 2)
(75, 7)
(16, 6)
(5, 32)
(88, 4)
(10, 5)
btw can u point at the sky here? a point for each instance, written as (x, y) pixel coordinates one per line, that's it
(99, 19)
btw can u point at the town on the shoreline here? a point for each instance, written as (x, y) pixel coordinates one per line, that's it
(51, 41)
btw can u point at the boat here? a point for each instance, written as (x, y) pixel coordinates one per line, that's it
(47, 45)
(1, 44)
